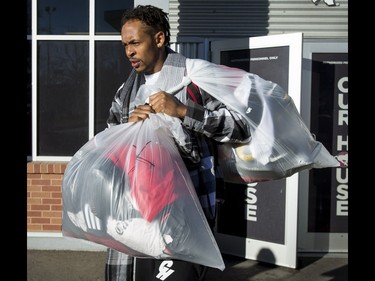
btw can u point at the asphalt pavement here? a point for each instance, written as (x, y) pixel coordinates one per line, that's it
(67, 265)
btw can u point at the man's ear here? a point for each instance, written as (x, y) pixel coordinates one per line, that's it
(160, 39)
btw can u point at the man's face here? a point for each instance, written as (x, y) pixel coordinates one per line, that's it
(144, 49)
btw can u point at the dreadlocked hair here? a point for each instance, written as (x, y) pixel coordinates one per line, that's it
(152, 16)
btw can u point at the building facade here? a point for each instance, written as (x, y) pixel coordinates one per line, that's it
(75, 66)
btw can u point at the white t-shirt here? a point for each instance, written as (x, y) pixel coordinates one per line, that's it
(151, 78)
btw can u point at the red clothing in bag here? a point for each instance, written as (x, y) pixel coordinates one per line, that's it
(150, 188)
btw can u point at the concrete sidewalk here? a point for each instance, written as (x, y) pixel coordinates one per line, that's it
(61, 265)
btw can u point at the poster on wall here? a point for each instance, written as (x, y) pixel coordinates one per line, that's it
(328, 188)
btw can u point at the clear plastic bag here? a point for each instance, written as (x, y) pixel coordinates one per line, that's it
(128, 189)
(280, 144)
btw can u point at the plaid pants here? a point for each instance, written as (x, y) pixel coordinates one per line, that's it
(119, 266)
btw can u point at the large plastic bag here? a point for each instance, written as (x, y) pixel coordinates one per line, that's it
(280, 143)
(128, 189)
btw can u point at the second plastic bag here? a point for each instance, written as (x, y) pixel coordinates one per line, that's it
(280, 144)
(128, 189)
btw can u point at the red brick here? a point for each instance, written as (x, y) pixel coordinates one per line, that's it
(44, 195)
(40, 220)
(48, 227)
(40, 207)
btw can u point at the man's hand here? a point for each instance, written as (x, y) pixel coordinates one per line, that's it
(168, 104)
(140, 113)
(159, 102)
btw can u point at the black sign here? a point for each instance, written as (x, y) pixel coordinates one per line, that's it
(328, 188)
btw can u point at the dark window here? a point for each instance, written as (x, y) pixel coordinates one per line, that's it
(108, 15)
(63, 97)
(28, 81)
(63, 17)
(111, 70)
(63, 72)
(28, 28)
(28, 101)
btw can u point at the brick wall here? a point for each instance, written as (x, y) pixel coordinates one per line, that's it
(44, 196)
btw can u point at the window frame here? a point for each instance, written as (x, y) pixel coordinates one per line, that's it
(92, 38)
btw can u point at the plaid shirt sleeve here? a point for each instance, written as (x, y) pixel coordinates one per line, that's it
(215, 120)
